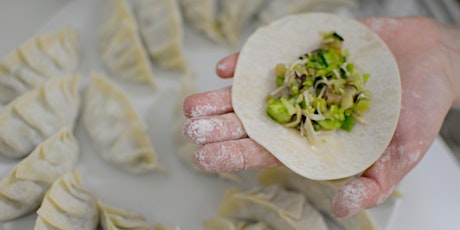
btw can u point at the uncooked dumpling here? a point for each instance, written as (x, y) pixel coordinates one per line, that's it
(115, 128)
(160, 23)
(48, 55)
(112, 218)
(276, 9)
(67, 205)
(278, 208)
(222, 223)
(235, 15)
(202, 15)
(62, 47)
(320, 194)
(23, 188)
(33, 117)
(122, 51)
(163, 227)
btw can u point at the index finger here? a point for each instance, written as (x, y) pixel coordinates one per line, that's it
(209, 103)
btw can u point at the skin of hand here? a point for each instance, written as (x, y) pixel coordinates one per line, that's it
(426, 52)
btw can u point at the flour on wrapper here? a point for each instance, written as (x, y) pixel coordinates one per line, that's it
(276, 9)
(163, 227)
(336, 154)
(46, 56)
(115, 127)
(222, 223)
(22, 189)
(111, 218)
(121, 48)
(234, 16)
(34, 116)
(202, 16)
(67, 205)
(320, 195)
(160, 23)
(276, 207)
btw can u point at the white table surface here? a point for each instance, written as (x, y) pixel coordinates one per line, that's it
(431, 191)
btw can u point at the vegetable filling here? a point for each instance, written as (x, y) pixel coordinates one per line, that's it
(320, 91)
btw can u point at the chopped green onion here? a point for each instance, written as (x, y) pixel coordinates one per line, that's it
(337, 36)
(348, 123)
(279, 81)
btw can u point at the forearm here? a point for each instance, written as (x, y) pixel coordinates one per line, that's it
(451, 41)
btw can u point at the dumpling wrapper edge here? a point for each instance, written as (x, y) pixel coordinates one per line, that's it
(336, 154)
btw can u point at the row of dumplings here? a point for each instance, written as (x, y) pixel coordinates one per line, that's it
(113, 124)
(43, 120)
(40, 87)
(284, 200)
(154, 29)
(224, 21)
(122, 38)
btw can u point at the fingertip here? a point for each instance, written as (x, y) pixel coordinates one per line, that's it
(187, 106)
(186, 131)
(209, 103)
(225, 68)
(204, 161)
(354, 196)
(233, 155)
(339, 208)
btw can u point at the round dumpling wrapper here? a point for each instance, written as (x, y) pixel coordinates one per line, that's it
(335, 154)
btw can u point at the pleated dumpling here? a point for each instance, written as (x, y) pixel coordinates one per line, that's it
(163, 227)
(274, 206)
(202, 15)
(112, 218)
(121, 48)
(160, 22)
(33, 117)
(235, 15)
(67, 205)
(115, 128)
(23, 188)
(277, 9)
(320, 194)
(54, 54)
(221, 223)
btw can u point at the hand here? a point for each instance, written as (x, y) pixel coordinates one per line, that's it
(425, 51)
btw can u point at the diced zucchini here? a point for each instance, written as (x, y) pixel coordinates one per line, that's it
(278, 112)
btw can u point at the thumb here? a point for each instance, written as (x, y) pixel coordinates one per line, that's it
(358, 194)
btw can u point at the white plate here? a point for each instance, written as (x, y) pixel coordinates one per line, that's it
(183, 197)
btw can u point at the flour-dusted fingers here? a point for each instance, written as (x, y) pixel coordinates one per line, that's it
(358, 194)
(225, 68)
(217, 101)
(209, 129)
(209, 103)
(234, 155)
